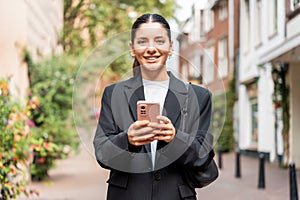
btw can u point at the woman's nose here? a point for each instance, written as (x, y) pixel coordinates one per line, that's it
(151, 47)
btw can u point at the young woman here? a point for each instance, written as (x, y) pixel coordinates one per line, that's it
(149, 160)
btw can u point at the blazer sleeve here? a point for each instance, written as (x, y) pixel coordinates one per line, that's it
(109, 139)
(200, 152)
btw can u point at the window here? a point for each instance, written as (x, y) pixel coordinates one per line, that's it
(208, 68)
(195, 66)
(254, 116)
(272, 29)
(222, 58)
(209, 22)
(246, 27)
(295, 4)
(223, 11)
(252, 93)
(258, 19)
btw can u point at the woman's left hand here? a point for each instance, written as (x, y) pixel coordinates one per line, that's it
(163, 131)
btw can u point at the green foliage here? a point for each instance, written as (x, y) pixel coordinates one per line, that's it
(281, 99)
(45, 154)
(226, 139)
(51, 84)
(14, 145)
(88, 23)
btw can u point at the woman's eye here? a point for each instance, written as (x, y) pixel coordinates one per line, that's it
(142, 42)
(160, 42)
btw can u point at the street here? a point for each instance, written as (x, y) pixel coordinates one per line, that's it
(80, 177)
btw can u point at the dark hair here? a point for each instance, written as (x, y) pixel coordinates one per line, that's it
(147, 18)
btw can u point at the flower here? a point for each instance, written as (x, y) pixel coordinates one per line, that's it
(13, 117)
(4, 89)
(70, 68)
(46, 145)
(17, 137)
(34, 103)
(14, 144)
(30, 123)
(41, 160)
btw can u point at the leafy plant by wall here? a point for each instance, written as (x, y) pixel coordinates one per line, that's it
(226, 140)
(51, 81)
(15, 151)
(281, 99)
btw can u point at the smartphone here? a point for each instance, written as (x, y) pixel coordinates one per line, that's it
(148, 110)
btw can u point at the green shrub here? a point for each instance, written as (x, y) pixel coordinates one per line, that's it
(223, 118)
(227, 141)
(15, 143)
(51, 81)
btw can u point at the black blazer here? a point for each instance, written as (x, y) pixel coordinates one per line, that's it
(131, 175)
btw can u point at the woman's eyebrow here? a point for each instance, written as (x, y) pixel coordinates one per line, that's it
(143, 38)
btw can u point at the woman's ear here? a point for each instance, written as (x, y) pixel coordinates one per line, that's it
(131, 49)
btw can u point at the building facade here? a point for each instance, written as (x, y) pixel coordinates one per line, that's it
(31, 26)
(269, 45)
(210, 42)
(263, 52)
(215, 54)
(191, 50)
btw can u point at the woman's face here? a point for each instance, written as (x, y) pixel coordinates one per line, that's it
(151, 46)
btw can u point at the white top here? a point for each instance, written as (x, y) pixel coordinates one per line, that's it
(155, 91)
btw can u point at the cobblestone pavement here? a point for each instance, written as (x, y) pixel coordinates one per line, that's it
(79, 177)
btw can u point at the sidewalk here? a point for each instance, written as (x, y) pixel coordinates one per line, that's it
(76, 178)
(246, 187)
(80, 177)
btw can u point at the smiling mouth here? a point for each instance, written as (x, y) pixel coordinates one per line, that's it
(151, 58)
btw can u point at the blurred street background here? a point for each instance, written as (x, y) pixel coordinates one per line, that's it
(57, 56)
(80, 177)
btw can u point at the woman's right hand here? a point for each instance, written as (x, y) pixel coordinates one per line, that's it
(139, 133)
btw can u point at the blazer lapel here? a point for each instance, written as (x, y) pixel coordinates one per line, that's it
(134, 91)
(176, 99)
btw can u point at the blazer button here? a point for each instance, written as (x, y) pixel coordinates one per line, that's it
(157, 176)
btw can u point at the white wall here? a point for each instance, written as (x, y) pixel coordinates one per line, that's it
(245, 118)
(44, 23)
(12, 42)
(266, 121)
(269, 42)
(33, 25)
(253, 63)
(248, 68)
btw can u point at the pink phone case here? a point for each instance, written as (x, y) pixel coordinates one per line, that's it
(148, 110)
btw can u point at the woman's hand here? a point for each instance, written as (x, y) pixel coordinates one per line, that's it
(163, 131)
(139, 133)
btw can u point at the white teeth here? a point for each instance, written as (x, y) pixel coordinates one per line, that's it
(151, 58)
